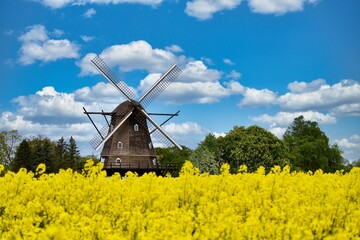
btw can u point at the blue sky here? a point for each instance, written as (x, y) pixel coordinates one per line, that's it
(244, 62)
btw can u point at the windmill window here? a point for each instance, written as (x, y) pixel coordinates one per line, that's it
(118, 161)
(150, 145)
(119, 145)
(136, 127)
(154, 161)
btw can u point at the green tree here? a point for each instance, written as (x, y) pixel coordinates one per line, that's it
(173, 155)
(42, 149)
(205, 160)
(309, 147)
(23, 157)
(8, 143)
(253, 146)
(73, 154)
(60, 153)
(207, 156)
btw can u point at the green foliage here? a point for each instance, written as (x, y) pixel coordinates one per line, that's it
(8, 143)
(55, 155)
(23, 157)
(207, 156)
(309, 147)
(42, 149)
(173, 155)
(254, 147)
(205, 160)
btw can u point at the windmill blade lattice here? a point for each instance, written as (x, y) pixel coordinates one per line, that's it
(156, 132)
(109, 75)
(157, 135)
(98, 139)
(160, 85)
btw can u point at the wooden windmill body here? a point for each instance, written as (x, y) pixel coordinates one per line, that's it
(126, 139)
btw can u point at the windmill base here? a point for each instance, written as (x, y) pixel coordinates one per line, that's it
(141, 169)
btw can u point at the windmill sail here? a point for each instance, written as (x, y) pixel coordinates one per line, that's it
(98, 140)
(101, 66)
(160, 85)
(127, 138)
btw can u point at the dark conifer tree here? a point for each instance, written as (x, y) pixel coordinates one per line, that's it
(23, 157)
(60, 154)
(73, 153)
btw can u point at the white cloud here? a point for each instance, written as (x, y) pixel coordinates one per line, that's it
(228, 61)
(317, 94)
(350, 147)
(302, 87)
(254, 97)
(89, 13)
(193, 90)
(278, 131)
(196, 71)
(36, 46)
(197, 83)
(205, 9)
(55, 4)
(102, 95)
(28, 128)
(174, 49)
(48, 103)
(284, 119)
(233, 75)
(87, 38)
(57, 32)
(278, 6)
(352, 109)
(137, 55)
(206, 60)
(216, 134)
(185, 128)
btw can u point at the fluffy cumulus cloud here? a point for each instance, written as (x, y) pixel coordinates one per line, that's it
(183, 128)
(339, 99)
(28, 128)
(101, 95)
(205, 9)
(278, 6)
(49, 105)
(200, 9)
(37, 46)
(350, 146)
(284, 119)
(136, 55)
(197, 82)
(254, 97)
(318, 94)
(55, 4)
(192, 90)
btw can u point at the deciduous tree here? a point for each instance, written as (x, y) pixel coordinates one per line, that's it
(309, 147)
(9, 140)
(253, 146)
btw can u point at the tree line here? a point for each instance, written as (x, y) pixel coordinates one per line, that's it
(304, 147)
(16, 153)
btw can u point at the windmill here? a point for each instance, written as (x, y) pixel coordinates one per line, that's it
(126, 137)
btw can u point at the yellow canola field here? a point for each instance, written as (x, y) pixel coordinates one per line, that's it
(278, 205)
